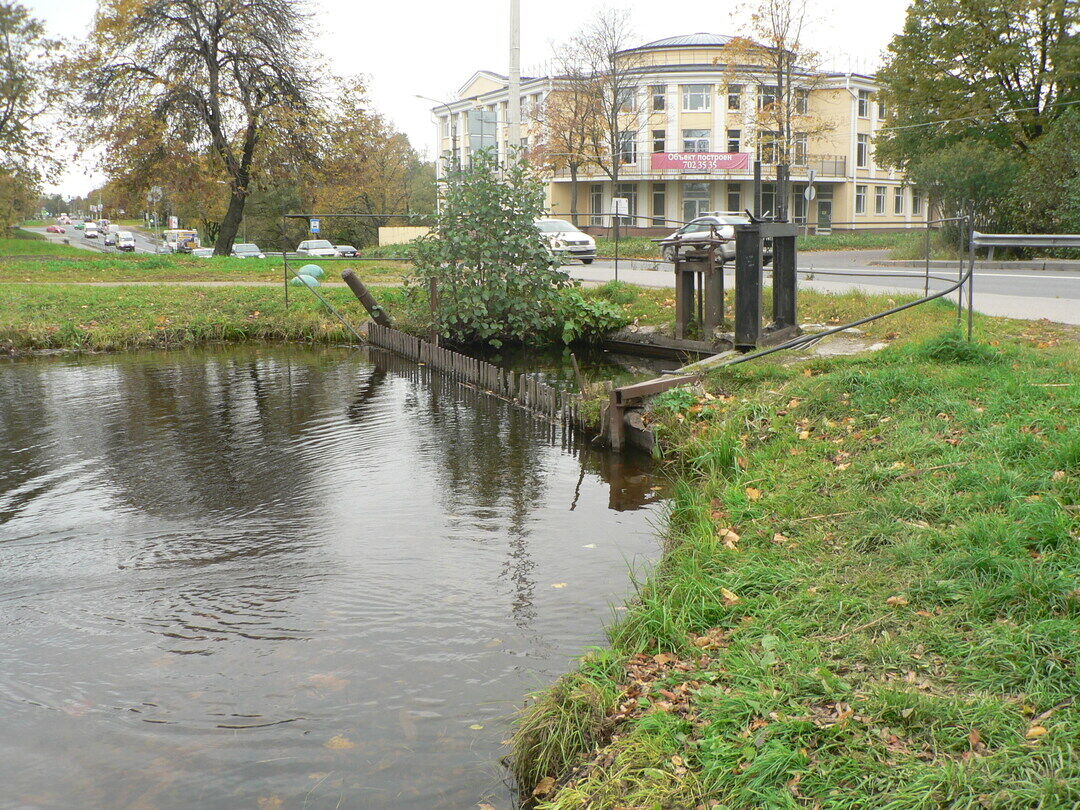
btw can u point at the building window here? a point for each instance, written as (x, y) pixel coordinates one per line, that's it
(864, 104)
(696, 97)
(525, 144)
(734, 96)
(659, 203)
(734, 203)
(860, 199)
(768, 197)
(879, 199)
(862, 151)
(695, 140)
(629, 192)
(898, 200)
(659, 140)
(767, 151)
(801, 149)
(916, 202)
(659, 97)
(802, 101)
(799, 204)
(625, 96)
(734, 138)
(695, 200)
(766, 96)
(881, 110)
(445, 127)
(627, 146)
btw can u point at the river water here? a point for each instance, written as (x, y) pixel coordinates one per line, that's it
(267, 577)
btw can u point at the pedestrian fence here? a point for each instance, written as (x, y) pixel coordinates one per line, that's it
(522, 390)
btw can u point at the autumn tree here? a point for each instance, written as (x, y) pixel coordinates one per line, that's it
(218, 74)
(568, 122)
(773, 56)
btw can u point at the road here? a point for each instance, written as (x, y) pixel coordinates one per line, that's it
(1028, 294)
(143, 243)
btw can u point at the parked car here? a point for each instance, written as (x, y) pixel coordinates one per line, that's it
(80, 226)
(201, 253)
(54, 229)
(90, 231)
(247, 250)
(720, 224)
(316, 247)
(566, 240)
(125, 240)
(346, 251)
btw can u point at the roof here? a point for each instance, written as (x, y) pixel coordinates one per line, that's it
(699, 40)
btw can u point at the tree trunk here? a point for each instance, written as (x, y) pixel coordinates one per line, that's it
(573, 196)
(230, 225)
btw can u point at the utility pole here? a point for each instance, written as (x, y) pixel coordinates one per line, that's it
(513, 107)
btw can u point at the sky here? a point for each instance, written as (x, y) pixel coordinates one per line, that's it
(431, 47)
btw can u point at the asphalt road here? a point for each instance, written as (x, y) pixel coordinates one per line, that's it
(76, 238)
(1019, 293)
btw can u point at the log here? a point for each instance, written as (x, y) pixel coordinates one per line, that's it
(377, 313)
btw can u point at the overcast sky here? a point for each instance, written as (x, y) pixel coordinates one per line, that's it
(431, 47)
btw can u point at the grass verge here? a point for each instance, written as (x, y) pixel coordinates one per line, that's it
(35, 317)
(870, 596)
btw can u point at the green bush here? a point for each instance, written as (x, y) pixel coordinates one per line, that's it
(587, 320)
(497, 279)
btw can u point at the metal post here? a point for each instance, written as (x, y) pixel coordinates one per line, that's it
(784, 281)
(747, 286)
(960, 276)
(781, 193)
(713, 295)
(757, 189)
(615, 223)
(926, 283)
(971, 273)
(285, 264)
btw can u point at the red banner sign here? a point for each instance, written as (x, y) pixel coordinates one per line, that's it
(701, 162)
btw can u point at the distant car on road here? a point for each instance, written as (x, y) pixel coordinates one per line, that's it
(202, 253)
(80, 226)
(566, 240)
(347, 251)
(55, 229)
(109, 238)
(247, 250)
(316, 247)
(718, 224)
(125, 240)
(90, 231)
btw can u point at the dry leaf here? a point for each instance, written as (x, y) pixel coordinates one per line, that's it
(476, 726)
(558, 585)
(729, 538)
(779, 539)
(753, 494)
(974, 738)
(730, 598)
(896, 600)
(1059, 475)
(1035, 732)
(544, 786)
(805, 434)
(925, 613)
(339, 743)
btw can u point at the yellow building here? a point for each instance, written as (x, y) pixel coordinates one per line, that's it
(694, 133)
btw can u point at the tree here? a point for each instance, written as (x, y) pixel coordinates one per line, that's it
(992, 70)
(220, 75)
(1046, 194)
(497, 280)
(25, 95)
(774, 51)
(568, 121)
(970, 177)
(606, 46)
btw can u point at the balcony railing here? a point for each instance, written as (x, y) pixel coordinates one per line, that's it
(824, 166)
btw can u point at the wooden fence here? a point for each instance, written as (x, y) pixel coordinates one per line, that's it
(520, 389)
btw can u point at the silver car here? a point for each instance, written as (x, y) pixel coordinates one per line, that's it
(720, 224)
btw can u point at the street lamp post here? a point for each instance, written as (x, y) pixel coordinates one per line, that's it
(453, 124)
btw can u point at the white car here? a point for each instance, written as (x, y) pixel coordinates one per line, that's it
(566, 240)
(125, 240)
(90, 231)
(316, 247)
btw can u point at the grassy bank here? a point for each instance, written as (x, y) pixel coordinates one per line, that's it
(36, 317)
(870, 596)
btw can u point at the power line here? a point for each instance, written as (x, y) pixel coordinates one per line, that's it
(975, 117)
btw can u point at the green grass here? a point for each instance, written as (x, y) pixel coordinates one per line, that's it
(897, 624)
(36, 317)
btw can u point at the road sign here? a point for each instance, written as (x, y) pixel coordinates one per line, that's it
(620, 206)
(314, 223)
(811, 175)
(810, 194)
(154, 194)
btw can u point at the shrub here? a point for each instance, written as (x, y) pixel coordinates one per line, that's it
(587, 320)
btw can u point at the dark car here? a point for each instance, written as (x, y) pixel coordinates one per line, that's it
(719, 225)
(347, 251)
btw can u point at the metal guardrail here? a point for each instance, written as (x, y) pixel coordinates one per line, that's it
(1024, 240)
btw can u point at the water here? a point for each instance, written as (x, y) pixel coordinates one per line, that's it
(269, 577)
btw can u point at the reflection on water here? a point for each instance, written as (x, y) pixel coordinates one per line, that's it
(319, 578)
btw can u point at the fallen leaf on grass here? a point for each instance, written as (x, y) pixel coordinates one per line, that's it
(779, 539)
(730, 598)
(679, 765)
(896, 600)
(1035, 732)
(753, 493)
(729, 538)
(339, 743)
(1059, 475)
(804, 435)
(544, 786)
